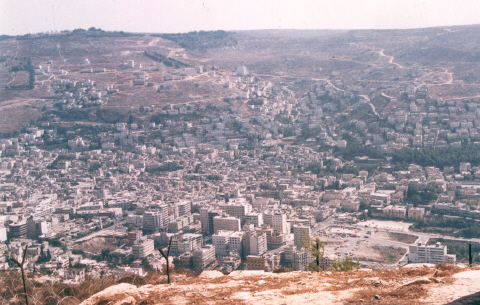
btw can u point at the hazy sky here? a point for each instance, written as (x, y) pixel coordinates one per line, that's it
(33, 16)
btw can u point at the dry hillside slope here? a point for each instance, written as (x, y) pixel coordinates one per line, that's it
(419, 284)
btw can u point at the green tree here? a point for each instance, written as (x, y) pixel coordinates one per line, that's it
(316, 247)
(345, 265)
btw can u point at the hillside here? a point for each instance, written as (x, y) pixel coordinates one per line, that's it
(414, 285)
(367, 58)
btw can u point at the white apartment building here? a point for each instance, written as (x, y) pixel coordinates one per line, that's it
(183, 207)
(157, 219)
(143, 248)
(204, 218)
(258, 243)
(203, 257)
(242, 71)
(435, 254)
(254, 218)
(299, 259)
(237, 208)
(136, 220)
(276, 220)
(227, 241)
(226, 223)
(301, 235)
(186, 243)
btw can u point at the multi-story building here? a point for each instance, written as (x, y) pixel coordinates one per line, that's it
(254, 218)
(227, 241)
(3, 234)
(182, 208)
(258, 243)
(136, 220)
(301, 235)
(36, 228)
(277, 220)
(395, 212)
(227, 223)
(299, 259)
(134, 236)
(156, 220)
(416, 213)
(328, 260)
(206, 218)
(237, 208)
(203, 257)
(435, 254)
(180, 223)
(186, 243)
(18, 230)
(255, 262)
(143, 248)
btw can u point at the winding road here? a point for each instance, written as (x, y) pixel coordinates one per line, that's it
(370, 103)
(391, 59)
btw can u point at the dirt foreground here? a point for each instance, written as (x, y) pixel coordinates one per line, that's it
(415, 284)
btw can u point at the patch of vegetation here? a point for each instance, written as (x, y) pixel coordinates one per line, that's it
(167, 61)
(390, 254)
(355, 148)
(5, 37)
(94, 166)
(202, 39)
(421, 197)
(167, 167)
(54, 164)
(402, 237)
(27, 67)
(44, 256)
(255, 102)
(459, 248)
(214, 177)
(346, 264)
(438, 157)
(463, 227)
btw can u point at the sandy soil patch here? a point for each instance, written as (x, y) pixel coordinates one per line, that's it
(368, 251)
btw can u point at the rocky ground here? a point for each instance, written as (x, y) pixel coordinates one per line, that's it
(416, 284)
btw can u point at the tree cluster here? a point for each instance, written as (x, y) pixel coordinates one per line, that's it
(28, 67)
(167, 61)
(438, 157)
(467, 228)
(417, 197)
(202, 39)
(44, 257)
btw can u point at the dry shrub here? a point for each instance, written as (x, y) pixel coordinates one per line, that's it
(282, 270)
(447, 270)
(134, 280)
(413, 294)
(413, 272)
(50, 292)
(390, 281)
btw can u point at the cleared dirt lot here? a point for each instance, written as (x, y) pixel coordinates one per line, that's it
(368, 251)
(394, 236)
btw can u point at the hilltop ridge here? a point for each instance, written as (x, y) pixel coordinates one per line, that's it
(417, 284)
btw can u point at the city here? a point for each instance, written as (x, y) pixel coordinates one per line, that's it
(111, 151)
